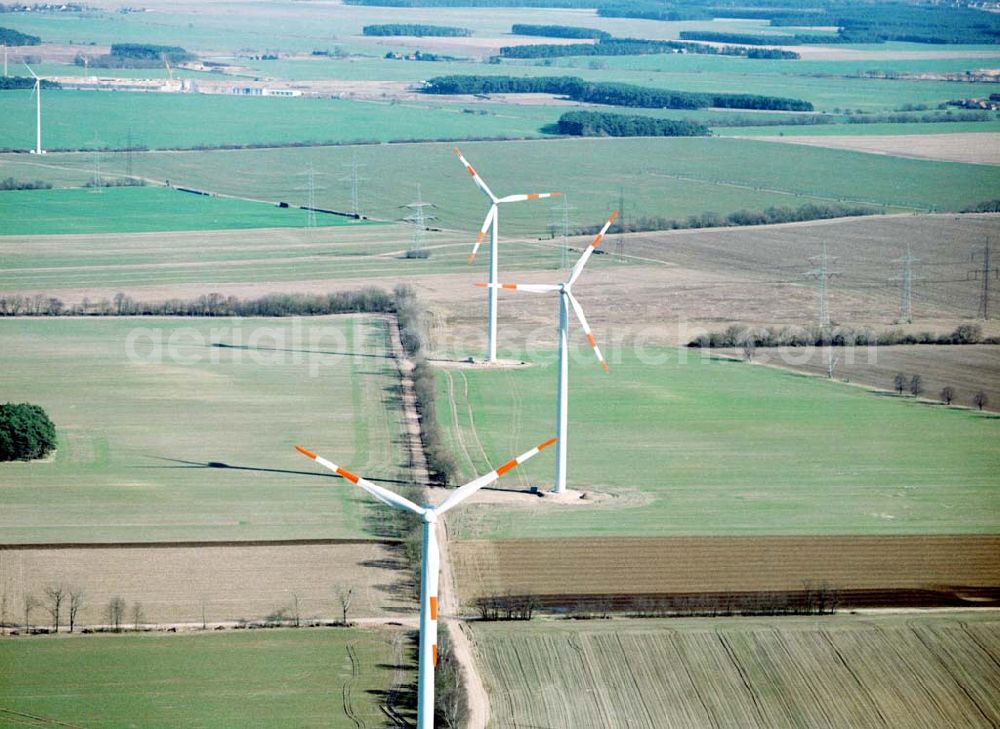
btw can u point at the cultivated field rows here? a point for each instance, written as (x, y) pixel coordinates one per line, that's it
(952, 567)
(831, 672)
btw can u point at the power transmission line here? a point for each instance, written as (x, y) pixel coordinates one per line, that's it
(822, 274)
(906, 286)
(564, 210)
(418, 219)
(984, 272)
(355, 181)
(620, 243)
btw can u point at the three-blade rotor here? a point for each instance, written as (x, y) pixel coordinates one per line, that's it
(565, 288)
(491, 215)
(391, 498)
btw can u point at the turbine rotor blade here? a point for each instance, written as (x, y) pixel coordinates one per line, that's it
(475, 176)
(462, 493)
(533, 288)
(30, 71)
(578, 268)
(586, 330)
(491, 217)
(387, 497)
(528, 196)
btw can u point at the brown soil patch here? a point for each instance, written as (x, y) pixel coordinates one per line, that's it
(973, 148)
(967, 369)
(953, 567)
(234, 582)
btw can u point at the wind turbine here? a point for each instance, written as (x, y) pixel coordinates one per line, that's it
(566, 300)
(492, 223)
(38, 111)
(427, 653)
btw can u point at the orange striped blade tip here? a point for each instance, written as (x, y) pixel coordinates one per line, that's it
(347, 474)
(472, 258)
(471, 171)
(434, 607)
(480, 236)
(605, 366)
(533, 196)
(614, 216)
(481, 285)
(547, 443)
(506, 467)
(597, 240)
(306, 453)
(590, 338)
(508, 286)
(434, 652)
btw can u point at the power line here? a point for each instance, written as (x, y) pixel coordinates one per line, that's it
(619, 241)
(984, 272)
(906, 286)
(418, 219)
(564, 209)
(822, 276)
(355, 181)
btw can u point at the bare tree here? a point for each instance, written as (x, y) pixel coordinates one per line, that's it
(980, 400)
(137, 616)
(947, 395)
(900, 383)
(3, 611)
(295, 610)
(56, 594)
(916, 386)
(204, 623)
(75, 603)
(30, 603)
(116, 613)
(344, 597)
(748, 343)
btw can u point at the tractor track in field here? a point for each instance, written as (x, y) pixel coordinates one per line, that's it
(392, 695)
(25, 719)
(347, 689)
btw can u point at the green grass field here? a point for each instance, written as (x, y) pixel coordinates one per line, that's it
(142, 210)
(752, 672)
(75, 119)
(197, 443)
(712, 447)
(671, 178)
(274, 678)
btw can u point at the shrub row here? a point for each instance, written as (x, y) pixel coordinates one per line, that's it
(443, 31)
(738, 336)
(412, 330)
(639, 47)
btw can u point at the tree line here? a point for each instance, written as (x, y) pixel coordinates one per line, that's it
(369, 299)
(611, 94)
(639, 47)
(559, 31)
(443, 31)
(601, 124)
(413, 334)
(769, 216)
(11, 37)
(739, 336)
(13, 83)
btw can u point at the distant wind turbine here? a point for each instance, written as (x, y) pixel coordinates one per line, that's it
(430, 560)
(566, 300)
(37, 91)
(492, 223)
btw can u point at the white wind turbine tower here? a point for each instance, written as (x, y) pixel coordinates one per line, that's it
(38, 112)
(427, 652)
(566, 299)
(492, 223)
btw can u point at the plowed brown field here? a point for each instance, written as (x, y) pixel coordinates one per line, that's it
(862, 570)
